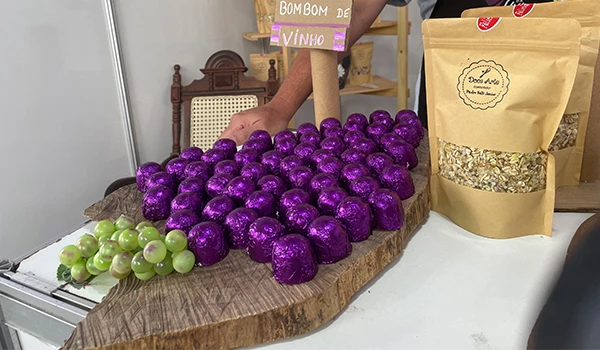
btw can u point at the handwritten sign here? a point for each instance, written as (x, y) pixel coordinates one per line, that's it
(320, 24)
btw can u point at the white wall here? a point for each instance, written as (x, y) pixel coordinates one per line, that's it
(62, 138)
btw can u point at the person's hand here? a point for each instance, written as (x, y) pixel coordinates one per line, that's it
(265, 117)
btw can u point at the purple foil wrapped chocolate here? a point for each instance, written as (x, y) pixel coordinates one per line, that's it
(290, 199)
(331, 165)
(176, 168)
(348, 127)
(293, 260)
(272, 184)
(287, 164)
(329, 239)
(398, 178)
(357, 118)
(365, 145)
(304, 150)
(262, 234)
(330, 198)
(207, 241)
(182, 220)
(226, 145)
(143, 172)
(335, 131)
(239, 188)
(387, 121)
(352, 136)
(300, 177)
(193, 154)
(156, 203)
(198, 169)
(217, 209)
(271, 161)
(213, 156)
(363, 186)
(320, 182)
(375, 131)
(402, 153)
(329, 123)
(405, 114)
(377, 161)
(377, 115)
(356, 216)
(187, 200)
(415, 123)
(236, 227)
(161, 179)
(260, 135)
(193, 184)
(352, 172)
(299, 217)
(217, 185)
(352, 155)
(228, 167)
(245, 156)
(283, 134)
(319, 155)
(334, 144)
(388, 138)
(311, 137)
(408, 133)
(262, 202)
(306, 127)
(254, 171)
(260, 145)
(286, 146)
(388, 213)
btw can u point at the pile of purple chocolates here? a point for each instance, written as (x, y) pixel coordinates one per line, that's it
(297, 200)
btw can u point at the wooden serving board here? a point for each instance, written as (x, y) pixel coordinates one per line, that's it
(236, 302)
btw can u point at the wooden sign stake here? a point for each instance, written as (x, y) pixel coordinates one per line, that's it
(325, 84)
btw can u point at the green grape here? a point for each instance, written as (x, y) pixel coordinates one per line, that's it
(183, 262)
(142, 225)
(146, 235)
(87, 245)
(122, 262)
(117, 275)
(108, 250)
(164, 267)
(145, 276)
(79, 272)
(115, 236)
(176, 241)
(129, 239)
(104, 227)
(103, 239)
(124, 222)
(92, 269)
(101, 264)
(155, 252)
(139, 264)
(69, 255)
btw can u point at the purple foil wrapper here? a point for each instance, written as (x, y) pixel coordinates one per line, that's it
(193, 154)
(330, 198)
(363, 186)
(217, 185)
(262, 202)
(352, 136)
(293, 260)
(199, 169)
(254, 171)
(378, 115)
(331, 165)
(299, 217)
(365, 145)
(217, 209)
(311, 137)
(192, 184)
(283, 134)
(353, 127)
(207, 241)
(160, 179)
(352, 155)
(236, 227)
(357, 118)
(262, 234)
(226, 145)
(182, 220)
(319, 155)
(261, 135)
(329, 239)
(334, 144)
(320, 182)
(403, 154)
(260, 145)
(188, 200)
(387, 121)
(176, 168)
(377, 161)
(213, 156)
(329, 123)
(287, 164)
(408, 133)
(239, 188)
(335, 131)
(245, 156)
(356, 216)
(306, 127)
(352, 172)
(388, 213)
(156, 204)
(397, 178)
(228, 167)
(286, 146)
(272, 184)
(290, 199)
(375, 131)
(387, 139)
(405, 114)
(304, 150)
(300, 177)
(415, 123)
(271, 161)
(143, 172)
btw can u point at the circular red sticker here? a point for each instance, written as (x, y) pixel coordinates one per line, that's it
(485, 24)
(522, 10)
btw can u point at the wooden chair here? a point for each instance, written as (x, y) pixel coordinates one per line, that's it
(209, 103)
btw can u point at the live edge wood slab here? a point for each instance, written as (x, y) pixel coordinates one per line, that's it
(235, 303)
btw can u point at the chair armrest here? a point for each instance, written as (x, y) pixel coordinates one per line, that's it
(118, 184)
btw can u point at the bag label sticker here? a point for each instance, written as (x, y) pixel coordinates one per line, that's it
(483, 84)
(522, 10)
(485, 24)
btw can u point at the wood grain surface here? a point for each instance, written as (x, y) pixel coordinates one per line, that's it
(236, 302)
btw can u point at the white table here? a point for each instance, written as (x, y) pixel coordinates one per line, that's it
(449, 290)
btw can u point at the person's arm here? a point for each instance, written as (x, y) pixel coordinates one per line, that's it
(275, 115)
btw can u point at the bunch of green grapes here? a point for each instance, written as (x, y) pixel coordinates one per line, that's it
(121, 247)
